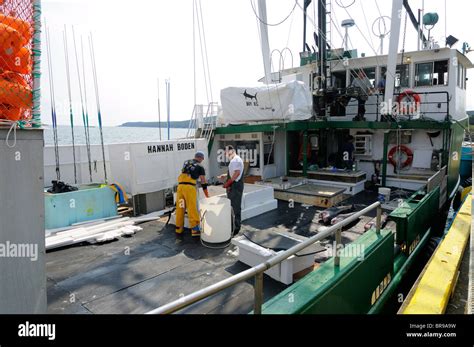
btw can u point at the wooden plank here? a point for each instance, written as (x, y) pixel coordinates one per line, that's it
(313, 189)
(315, 200)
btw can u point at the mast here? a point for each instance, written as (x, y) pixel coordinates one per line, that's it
(305, 7)
(397, 6)
(262, 13)
(322, 45)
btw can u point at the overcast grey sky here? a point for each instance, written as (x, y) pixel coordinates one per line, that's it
(138, 41)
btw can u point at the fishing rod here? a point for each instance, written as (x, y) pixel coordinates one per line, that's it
(71, 114)
(99, 115)
(159, 109)
(85, 122)
(53, 103)
(84, 80)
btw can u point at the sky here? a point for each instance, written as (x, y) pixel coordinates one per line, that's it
(138, 42)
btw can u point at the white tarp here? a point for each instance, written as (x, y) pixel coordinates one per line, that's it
(284, 101)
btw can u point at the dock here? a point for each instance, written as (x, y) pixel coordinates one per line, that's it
(445, 284)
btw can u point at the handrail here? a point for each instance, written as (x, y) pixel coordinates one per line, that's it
(258, 270)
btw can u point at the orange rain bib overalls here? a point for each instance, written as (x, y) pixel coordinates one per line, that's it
(186, 199)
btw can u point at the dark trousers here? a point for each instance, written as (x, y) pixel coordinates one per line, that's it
(234, 194)
(361, 107)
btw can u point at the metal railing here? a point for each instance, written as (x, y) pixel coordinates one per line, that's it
(257, 271)
(204, 122)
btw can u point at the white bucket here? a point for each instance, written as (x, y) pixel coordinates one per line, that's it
(216, 224)
(384, 195)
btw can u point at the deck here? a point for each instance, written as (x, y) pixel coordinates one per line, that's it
(152, 268)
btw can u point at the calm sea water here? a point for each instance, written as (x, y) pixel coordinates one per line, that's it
(111, 135)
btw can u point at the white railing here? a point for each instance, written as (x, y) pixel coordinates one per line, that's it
(257, 271)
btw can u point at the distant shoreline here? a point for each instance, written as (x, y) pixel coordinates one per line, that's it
(175, 124)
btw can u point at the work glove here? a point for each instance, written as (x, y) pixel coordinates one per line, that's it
(206, 193)
(228, 183)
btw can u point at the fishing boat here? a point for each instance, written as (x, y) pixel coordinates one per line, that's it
(322, 232)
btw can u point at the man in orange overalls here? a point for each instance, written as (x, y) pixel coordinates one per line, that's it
(186, 197)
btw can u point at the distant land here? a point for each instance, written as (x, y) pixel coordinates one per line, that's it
(175, 124)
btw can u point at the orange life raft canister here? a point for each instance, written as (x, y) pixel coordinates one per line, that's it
(19, 62)
(24, 28)
(11, 40)
(15, 94)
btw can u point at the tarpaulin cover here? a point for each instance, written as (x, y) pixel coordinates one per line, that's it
(284, 101)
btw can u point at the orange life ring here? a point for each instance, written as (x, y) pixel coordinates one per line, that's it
(19, 62)
(402, 109)
(15, 94)
(24, 28)
(401, 149)
(11, 40)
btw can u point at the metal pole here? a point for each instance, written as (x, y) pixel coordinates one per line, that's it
(249, 273)
(378, 221)
(71, 114)
(262, 13)
(397, 6)
(258, 288)
(337, 258)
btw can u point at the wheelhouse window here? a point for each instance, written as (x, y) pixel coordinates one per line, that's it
(440, 73)
(339, 79)
(424, 74)
(369, 72)
(431, 74)
(402, 76)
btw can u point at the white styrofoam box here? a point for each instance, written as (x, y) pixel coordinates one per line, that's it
(259, 209)
(350, 188)
(253, 254)
(255, 195)
(405, 183)
(247, 213)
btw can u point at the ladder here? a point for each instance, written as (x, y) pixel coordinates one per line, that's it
(203, 123)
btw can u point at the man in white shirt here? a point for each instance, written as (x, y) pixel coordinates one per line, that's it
(235, 185)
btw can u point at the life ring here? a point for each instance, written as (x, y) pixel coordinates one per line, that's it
(19, 62)
(414, 99)
(24, 28)
(11, 40)
(15, 94)
(401, 149)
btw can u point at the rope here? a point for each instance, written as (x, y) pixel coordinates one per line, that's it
(99, 116)
(71, 115)
(274, 24)
(202, 52)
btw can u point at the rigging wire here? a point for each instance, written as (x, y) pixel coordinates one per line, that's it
(340, 4)
(71, 113)
(82, 103)
(273, 24)
(202, 52)
(205, 51)
(53, 102)
(99, 115)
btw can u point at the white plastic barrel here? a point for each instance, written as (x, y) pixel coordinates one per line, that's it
(216, 222)
(384, 195)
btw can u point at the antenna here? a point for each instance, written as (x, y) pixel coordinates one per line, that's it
(346, 24)
(381, 29)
